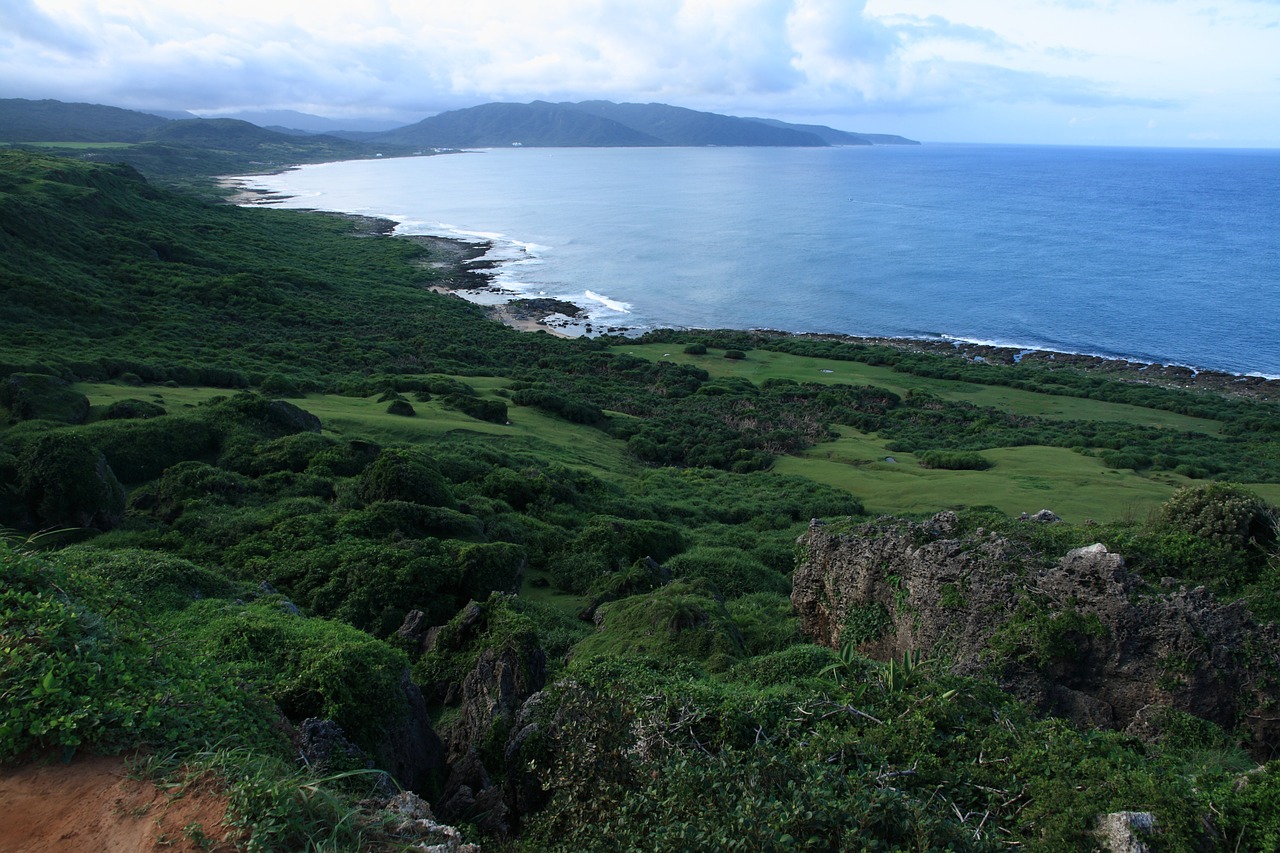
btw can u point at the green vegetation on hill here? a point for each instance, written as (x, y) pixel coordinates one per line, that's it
(200, 398)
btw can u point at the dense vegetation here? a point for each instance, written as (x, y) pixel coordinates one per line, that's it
(208, 407)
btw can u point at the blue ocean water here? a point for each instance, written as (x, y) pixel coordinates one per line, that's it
(1169, 256)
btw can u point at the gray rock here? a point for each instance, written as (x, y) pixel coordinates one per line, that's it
(1130, 647)
(1123, 832)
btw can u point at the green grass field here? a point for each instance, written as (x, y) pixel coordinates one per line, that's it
(81, 146)
(760, 365)
(1022, 479)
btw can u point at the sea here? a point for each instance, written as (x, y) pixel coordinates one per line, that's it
(1167, 256)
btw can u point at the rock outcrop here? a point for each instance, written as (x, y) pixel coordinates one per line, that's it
(1079, 636)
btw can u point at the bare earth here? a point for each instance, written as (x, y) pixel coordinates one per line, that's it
(91, 805)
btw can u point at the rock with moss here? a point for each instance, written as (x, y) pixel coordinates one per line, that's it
(132, 408)
(38, 396)
(65, 481)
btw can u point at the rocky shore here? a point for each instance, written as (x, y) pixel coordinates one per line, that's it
(469, 275)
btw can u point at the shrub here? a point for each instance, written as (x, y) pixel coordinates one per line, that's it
(494, 411)
(733, 572)
(140, 450)
(1222, 513)
(403, 475)
(405, 520)
(161, 581)
(695, 349)
(189, 481)
(1124, 459)
(607, 544)
(66, 482)
(129, 409)
(767, 621)
(401, 407)
(682, 620)
(36, 396)
(310, 667)
(954, 460)
(735, 354)
(89, 671)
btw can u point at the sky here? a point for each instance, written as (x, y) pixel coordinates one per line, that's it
(1075, 72)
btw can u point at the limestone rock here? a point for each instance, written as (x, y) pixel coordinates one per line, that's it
(1117, 646)
(1123, 832)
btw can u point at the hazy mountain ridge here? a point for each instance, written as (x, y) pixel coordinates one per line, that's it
(539, 124)
(22, 120)
(536, 124)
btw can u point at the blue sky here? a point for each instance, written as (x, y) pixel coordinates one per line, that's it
(1100, 72)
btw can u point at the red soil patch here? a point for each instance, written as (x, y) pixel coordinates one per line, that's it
(92, 805)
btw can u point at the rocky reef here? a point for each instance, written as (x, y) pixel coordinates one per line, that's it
(1078, 636)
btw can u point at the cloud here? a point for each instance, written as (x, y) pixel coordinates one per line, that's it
(410, 58)
(24, 21)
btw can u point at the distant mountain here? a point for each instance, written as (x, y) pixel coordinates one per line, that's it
(538, 124)
(604, 124)
(294, 122)
(829, 135)
(841, 137)
(172, 115)
(229, 134)
(55, 121)
(680, 126)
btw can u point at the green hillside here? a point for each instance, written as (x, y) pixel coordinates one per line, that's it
(256, 474)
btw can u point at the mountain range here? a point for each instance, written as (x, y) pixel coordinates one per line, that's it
(536, 124)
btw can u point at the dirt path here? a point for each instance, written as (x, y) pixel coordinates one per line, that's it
(92, 805)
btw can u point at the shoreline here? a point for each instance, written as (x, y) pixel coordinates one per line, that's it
(568, 320)
(469, 276)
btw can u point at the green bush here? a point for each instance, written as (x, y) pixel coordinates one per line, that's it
(1222, 513)
(695, 349)
(767, 622)
(954, 460)
(140, 450)
(403, 475)
(733, 572)
(81, 667)
(130, 409)
(36, 396)
(494, 411)
(734, 354)
(390, 520)
(682, 620)
(66, 482)
(309, 667)
(608, 543)
(160, 581)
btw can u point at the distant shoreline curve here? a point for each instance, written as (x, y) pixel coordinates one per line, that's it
(473, 275)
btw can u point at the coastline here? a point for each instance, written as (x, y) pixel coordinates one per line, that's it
(468, 275)
(471, 274)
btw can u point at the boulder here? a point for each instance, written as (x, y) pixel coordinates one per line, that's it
(38, 396)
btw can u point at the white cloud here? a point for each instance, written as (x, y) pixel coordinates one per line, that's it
(1019, 59)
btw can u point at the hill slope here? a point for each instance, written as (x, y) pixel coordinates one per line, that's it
(538, 124)
(22, 120)
(679, 126)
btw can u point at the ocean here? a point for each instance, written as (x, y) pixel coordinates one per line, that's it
(1158, 255)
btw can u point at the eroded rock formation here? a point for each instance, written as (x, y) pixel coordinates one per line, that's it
(1079, 636)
